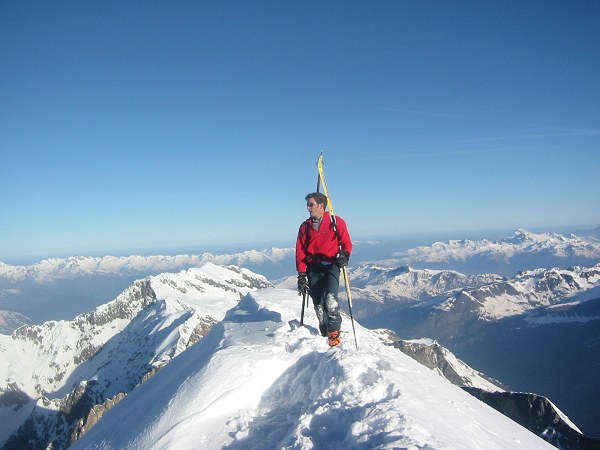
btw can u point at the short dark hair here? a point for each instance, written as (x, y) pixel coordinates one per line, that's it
(321, 199)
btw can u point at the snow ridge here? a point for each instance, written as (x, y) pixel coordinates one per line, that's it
(258, 380)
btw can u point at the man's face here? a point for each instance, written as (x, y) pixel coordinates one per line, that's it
(315, 209)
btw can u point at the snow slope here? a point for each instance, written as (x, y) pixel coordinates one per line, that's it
(259, 381)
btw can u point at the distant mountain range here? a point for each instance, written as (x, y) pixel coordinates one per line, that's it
(54, 269)
(521, 251)
(55, 289)
(489, 296)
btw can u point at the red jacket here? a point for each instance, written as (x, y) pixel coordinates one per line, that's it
(322, 245)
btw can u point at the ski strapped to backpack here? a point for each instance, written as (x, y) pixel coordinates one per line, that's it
(321, 182)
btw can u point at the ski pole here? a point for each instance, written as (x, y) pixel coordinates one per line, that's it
(349, 295)
(303, 303)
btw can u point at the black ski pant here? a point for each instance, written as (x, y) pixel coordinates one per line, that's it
(324, 284)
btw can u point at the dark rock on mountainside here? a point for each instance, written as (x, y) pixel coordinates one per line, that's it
(539, 415)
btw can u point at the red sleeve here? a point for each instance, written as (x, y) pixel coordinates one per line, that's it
(300, 249)
(343, 234)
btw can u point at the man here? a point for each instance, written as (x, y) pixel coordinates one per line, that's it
(321, 250)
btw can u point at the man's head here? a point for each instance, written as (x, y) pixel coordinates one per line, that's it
(316, 204)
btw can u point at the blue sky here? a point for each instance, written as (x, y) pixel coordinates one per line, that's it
(136, 125)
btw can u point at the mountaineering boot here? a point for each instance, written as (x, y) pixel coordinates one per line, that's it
(334, 338)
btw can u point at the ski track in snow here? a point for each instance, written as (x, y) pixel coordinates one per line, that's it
(260, 381)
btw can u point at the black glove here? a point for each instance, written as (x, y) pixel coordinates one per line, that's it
(342, 258)
(302, 283)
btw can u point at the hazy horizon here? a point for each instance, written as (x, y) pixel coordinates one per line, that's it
(399, 241)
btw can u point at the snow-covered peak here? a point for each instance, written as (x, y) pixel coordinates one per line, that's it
(521, 235)
(374, 286)
(208, 291)
(528, 291)
(524, 238)
(259, 380)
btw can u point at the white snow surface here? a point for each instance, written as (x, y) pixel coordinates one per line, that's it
(258, 380)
